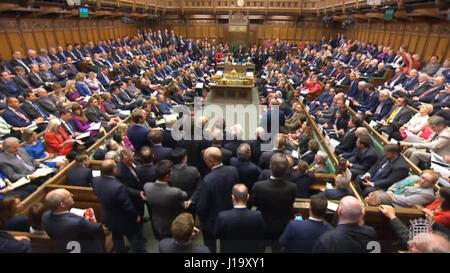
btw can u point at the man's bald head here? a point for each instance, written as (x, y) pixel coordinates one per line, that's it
(108, 166)
(240, 194)
(59, 200)
(213, 156)
(350, 210)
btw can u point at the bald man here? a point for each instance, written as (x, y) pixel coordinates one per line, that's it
(351, 235)
(215, 195)
(63, 226)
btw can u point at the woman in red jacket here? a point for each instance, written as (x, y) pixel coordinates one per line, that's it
(316, 87)
(57, 141)
(439, 210)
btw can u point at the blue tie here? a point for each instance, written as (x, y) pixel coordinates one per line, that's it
(380, 170)
(12, 86)
(40, 110)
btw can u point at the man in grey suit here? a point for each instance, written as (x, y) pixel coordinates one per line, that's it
(16, 163)
(165, 202)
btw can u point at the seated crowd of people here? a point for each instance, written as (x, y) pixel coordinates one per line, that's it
(216, 181)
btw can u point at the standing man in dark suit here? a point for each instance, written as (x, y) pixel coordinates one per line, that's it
(138, 133)
(240, 229)
(350, 236)
(159, 152)
(248, 171)
(387, 170)
(127, 175)
(81, 174)
(300, 236)
(63, 226)
(275, 199)
(215, 194)
(164, 202)
(146, 171)
(264, 159)
(119, 214)
(186, 178)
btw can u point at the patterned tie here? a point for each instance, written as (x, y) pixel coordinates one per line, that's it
(22, 116)
(428, 92)
(40, 110)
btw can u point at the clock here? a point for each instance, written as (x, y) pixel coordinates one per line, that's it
(240, 3)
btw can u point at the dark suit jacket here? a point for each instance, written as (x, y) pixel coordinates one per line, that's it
(14, 120)
(364, 160)
(165, 204)
(240, 230)
(79, 176)
(303, 182)
(188, 179)
(160, 153)
(169, 245)
(48, 106)
(138, 136)
(275, 199)
(402, 117)
(346, 238)
(67, 227)
(215, 195)
(31, 112)
(35, 81)
(168, 141)
(264, 160)
(336, 194)
(308, 157)
(20, 82)
(348, 142)
(398, 170)
(8, 91)
(10, 245)
(248, 171)
(146, 173)
(119, 214)
(300, 236)
(96, 115)
(385, 109)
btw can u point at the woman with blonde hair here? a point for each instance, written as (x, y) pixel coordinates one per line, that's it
(123, 129)
(418, 122)
(73, 95)
(56, 139)
(81, 86)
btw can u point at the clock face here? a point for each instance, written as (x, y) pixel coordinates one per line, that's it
(240, 3)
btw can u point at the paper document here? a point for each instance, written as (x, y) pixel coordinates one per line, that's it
(373, 123)
(383, 134)
(413, 138)
(332, 206)
(79, 212)
(199, 85)
(96, 173)
(334, 142)
(295, 153)
(83, 135)
(161, 121)
(60, 158)
(249, 74)
(125, 112)
(43, 171)
(393, 141)
(329, 186)
(22, 181)
(32, 126)
(94, 126)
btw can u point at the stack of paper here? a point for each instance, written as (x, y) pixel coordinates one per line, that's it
(57, 159)
(125, 112)
(199, 85)
(332, 206)
(43, 172)
(79, 212)
(334, 142)
(295, 154)
(96, 173)
(83, 135)
(413, 138)
(20, 182)
(94, 126)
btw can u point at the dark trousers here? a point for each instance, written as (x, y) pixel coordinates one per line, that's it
(209, 240)
(135, 238)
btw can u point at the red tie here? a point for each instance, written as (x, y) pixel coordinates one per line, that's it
(428, 92)
(22, 116)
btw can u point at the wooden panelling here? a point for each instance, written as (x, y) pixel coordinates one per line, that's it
(29, 41)
(40, 40)
(50, 37)
(5, 49)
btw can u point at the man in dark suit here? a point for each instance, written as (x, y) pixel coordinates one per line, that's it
(275, 198)
(146, 171)
(9, 87)
(342, 188)
(35, 78)
(349, 236)
(240, 229)
(348, 140)
(428, 95)
(81, 174)
(215, 195)
(138, 133)
(183, 233)
(119, 214)
(159, 152)
(310, 154)
(186, 178)
(399, 115)
(273, 113)
(264, 159)
(18, 61)
(15, 117)
(387, 170)
(64, 227)
(397, 79)
(21, 79)
(164, 202)
(256, 144)
(383, 107)
(413, 86)
(127, 175)
(364, 157)
(301, 235)
(32, 108)
(353, 90)
(247, 170)
(46, 103)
